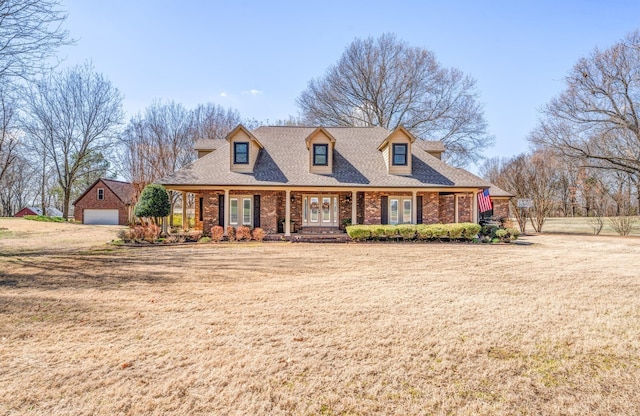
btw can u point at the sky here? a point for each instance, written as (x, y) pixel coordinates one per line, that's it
(258, 56)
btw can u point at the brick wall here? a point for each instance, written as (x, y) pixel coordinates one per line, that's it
(111, 201)
(500, 208)
(465, 208)
(430, 207)
(446, 209)
(344, 208)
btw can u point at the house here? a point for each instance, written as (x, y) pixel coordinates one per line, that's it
(106, 201)
(308, 178)
(50, 211)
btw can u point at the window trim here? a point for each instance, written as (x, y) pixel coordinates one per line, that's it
(235, 153)
(244, 200)
(326, 154)
(100, 194)
(393, 154)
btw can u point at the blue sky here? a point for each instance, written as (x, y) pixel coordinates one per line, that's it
(257, 56)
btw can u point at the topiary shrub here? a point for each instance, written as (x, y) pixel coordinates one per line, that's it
(243, 233)
(217, 233)
(258, 234)
(231, 233)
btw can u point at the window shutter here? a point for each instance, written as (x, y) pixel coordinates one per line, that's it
(201, 207)
(256, 211)
(419, 209)
(384, 210)
(221, 210)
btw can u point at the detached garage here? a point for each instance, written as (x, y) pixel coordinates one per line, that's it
(106, 202)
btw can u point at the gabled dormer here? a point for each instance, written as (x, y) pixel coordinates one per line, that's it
(320, 144)
(243, 150)
(396, 151)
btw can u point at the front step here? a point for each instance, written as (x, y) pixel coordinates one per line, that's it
(320, 230)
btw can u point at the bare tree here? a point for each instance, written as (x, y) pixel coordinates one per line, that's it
(8, 132)
(30, 33)
(212, 121)
(596, 120)
(384, 82)
(72, 115)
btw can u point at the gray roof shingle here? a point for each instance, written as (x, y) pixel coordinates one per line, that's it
(284, 160)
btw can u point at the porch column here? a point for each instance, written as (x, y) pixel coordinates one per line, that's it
(455, 208)
(414, 207)
(226, 210)
(287, 213)
(354, 207)
(474, 203)
(185, 223)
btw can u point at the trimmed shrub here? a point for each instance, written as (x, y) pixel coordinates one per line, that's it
(502, 234)
(243, 233)
(440, 231)
(514, 233)
(377, 232)
(231, 233)
(390, 230)
(407, 231)
(258, 234)
(456, 231)
(424, 232)
(471, 230)
(359, 232)
(217, 233)
(204, 240)
(153, 203)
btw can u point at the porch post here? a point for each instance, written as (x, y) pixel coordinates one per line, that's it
(474, 203)
(354, 207)
(414, 208)
(287, 213)
(226, 211)
(185, 223)
(455, 208)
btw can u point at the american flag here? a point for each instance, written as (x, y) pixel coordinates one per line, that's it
(484, 202)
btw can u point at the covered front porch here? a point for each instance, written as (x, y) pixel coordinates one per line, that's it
(288, 212)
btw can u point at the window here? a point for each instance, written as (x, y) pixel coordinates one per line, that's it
(393, 211)
(100, 194)
(400, 154)
(246, 211)
(244, 203)
(406, 211)
(233, 211)
(241, 153)
(400, 210)
(320, 155)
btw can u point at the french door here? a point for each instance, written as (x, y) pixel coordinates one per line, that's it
(320, 210)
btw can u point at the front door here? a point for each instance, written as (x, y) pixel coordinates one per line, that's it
(320, 211)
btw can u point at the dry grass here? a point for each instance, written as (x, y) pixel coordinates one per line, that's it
(578, 225)
(276, 328)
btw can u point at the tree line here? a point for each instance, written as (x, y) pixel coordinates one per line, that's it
(585, 157)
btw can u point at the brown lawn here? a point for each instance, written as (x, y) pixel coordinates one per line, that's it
(279, 328)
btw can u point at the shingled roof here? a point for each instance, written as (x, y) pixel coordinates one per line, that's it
(284, 161)
(123, 190)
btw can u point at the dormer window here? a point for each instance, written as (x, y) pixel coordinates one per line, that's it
(241, 153)
(399, 154)
(320, 152)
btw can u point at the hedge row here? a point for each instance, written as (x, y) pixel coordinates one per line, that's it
(421, 232)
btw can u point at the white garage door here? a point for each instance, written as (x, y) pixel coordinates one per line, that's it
(101, 216)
